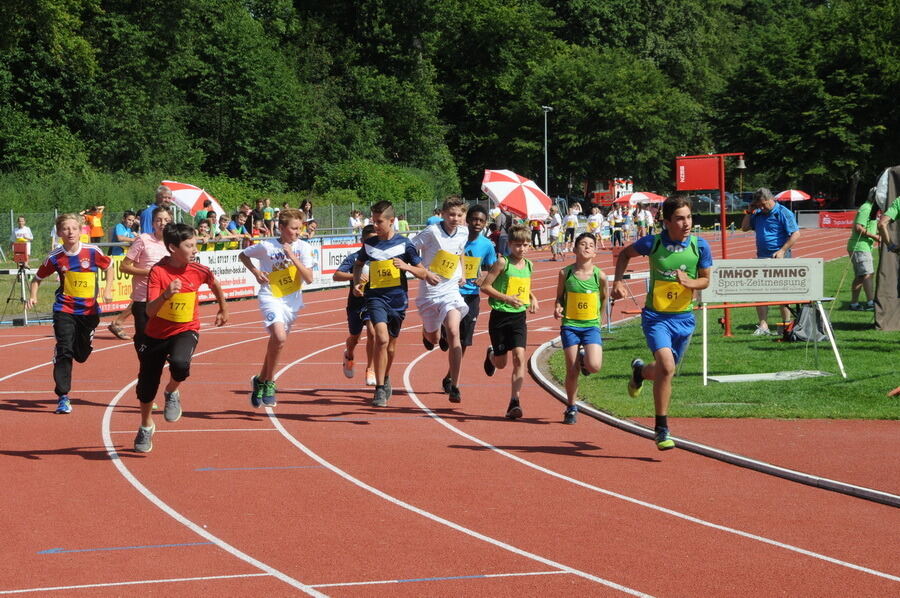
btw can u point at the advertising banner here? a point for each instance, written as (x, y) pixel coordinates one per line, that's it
(747, 281)
(837, 219)
(694, 174)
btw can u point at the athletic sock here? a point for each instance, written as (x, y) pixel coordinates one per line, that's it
(662, 422)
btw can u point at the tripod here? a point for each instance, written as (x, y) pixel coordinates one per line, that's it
(22, 283)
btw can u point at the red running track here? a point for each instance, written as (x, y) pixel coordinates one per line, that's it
(328, 495)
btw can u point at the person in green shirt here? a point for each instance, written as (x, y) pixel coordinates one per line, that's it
(859, 246)
(580, 291)
(403, 224)
(508, 287)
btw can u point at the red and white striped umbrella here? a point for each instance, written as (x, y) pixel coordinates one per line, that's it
(639, 198)
(792, 195)
(516, 194)
(190, 198)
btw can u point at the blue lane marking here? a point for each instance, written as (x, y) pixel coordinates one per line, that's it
(255, 468)
(64, 550)
(362, 418)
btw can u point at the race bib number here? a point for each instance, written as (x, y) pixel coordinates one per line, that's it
(519, 287)
(444, 264)
(284, 282)
(472, 266)
(383, 274)
(582, 306)
(80, 284)
(179, 307)
(671, 297)
(592, 226)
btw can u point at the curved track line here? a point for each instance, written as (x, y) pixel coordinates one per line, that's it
(158, 502)
(427, 514)
(626, 498)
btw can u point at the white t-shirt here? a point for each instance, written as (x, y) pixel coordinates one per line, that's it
(429, 242)
(571, 220)
(271, 257)
(553, 226)
(646, 217)
(595, 222)
(23, 233)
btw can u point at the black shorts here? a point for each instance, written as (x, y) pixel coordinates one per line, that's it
(507, 330)
(569, 235)
(467, 324)
(153, 353)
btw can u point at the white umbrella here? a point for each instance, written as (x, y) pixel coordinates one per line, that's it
(792, 195)
(516, 194)
(190, 198)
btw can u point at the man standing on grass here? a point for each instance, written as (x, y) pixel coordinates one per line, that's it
(776, 232)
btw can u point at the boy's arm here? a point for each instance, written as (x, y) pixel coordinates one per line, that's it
(110, 282)
(487, 285)
(260, 276)
(156, 295)
(619, 291)
(33, 295)
(560, 293)
(216, 288)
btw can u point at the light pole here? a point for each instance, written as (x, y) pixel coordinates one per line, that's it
(546, 109)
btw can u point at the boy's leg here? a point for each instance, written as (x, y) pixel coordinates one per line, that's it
(572, 373)
(455, 352)
(64, 329)
(518, 372)
(181, 349)
(139, 311)
(370, 346)
(152, 358)
(661, 371)
(380, 351)
(277, 338)
(83, 343)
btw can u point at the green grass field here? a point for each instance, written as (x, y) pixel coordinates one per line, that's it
(869, 358)
(10, 294)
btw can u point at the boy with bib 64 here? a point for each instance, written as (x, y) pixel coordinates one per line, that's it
(284, 265)
(580, 291)
(173, 326)
(679, 265)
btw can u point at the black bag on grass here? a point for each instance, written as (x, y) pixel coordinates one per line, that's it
(807, 327)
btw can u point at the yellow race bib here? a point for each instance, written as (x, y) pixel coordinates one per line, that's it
(179, 307)
(582, 306)
(671, 296)
(383, 274)
(444, 264)
(284, 282)
(520, 287)
(80, 284)
(472, 266)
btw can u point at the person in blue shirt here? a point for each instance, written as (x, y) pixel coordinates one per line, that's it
(776, 232)
(434, 218)
(163, 198)
(478, 257)
(679, 265)
(122, 233)
(355, 312)
(389, 256)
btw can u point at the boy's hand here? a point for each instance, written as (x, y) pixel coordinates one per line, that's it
(288, 251)
(358, 289)
(682, 277)
(513, 300)
(174, 287)
(533, 307)
(363, 278)
(261, 277)
(618, 290)
(221, 317)
(107, 295)
(432, 278)
(558, 311)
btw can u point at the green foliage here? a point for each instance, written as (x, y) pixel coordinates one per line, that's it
(374, 182)
(340, 197)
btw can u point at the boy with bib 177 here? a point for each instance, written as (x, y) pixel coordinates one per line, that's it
(679, 265)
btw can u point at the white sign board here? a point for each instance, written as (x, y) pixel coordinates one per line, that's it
(737, 281)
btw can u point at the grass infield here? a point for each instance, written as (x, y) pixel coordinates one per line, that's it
(869, 358)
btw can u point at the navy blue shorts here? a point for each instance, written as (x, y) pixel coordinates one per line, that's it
(378, 310)
(580, 335)
(672, 331)
(356, 316)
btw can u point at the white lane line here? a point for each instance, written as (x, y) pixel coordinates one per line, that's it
(133, 583)
(159, 431)
(636, 501)
(427, 514)
(427, 579)
(155, 500)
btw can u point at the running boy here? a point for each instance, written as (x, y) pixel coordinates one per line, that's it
(580, 291)
(76, 311)
(284, 265)
(679, 265)
(389, 256)
(173, 326)
(508, 287)
(355, 307)
(440, 303)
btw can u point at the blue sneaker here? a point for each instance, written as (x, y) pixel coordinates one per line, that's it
(571, 415)
(256, 392)
(63, 406)
(664, 442)
(268, 393)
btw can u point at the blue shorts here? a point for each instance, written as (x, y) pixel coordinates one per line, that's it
(767, 255)
(580, 335)
(672, 331)
(378, 310)
(356, 317)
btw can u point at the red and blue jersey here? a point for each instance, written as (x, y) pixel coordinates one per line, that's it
(79, 278)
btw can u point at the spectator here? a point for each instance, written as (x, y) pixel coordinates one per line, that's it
(163, 199)
(355, 222)
(203, 236)
(22, 233)
(554, 227)
(859, 246)
(93, 219)
(434, 218)
(571, 225)
(307, 208)
(403, 224)
(203, 212)
(123, 232)
(310, 229)
(269, 213)
(258, 218)
(238, 225)
(537, 227)
(776, 232)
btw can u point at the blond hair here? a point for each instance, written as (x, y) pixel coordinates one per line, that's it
(454, 201)
(285, 216)
(63, 217)
(519, 233)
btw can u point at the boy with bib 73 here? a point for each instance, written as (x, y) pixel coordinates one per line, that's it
(173, 325)
(580, 291)
(284, 265)
(679, 265)
(508, 287)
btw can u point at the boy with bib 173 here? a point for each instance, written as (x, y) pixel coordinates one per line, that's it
(679, 265)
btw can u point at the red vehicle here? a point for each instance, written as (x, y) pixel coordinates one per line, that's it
(607, 191)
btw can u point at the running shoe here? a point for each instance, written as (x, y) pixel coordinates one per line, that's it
(387, 386)
(447, 384)
(428, 344)
(571, 415)
(489, 367)
(257, 393)
(371, 380)
(663, 441)
(584, 371)
(856, 307)
(63, 405)
(268, 393)
(143, 442)
(760, 331)
(381, 397)
(172, 410)
(636, 382)
(870, 305)
(118, 331)
(348, 366)
(455, 397)
(443, 344)
(513, 411)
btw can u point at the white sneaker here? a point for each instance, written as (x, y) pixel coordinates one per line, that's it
(760, 331)
(370, 378)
